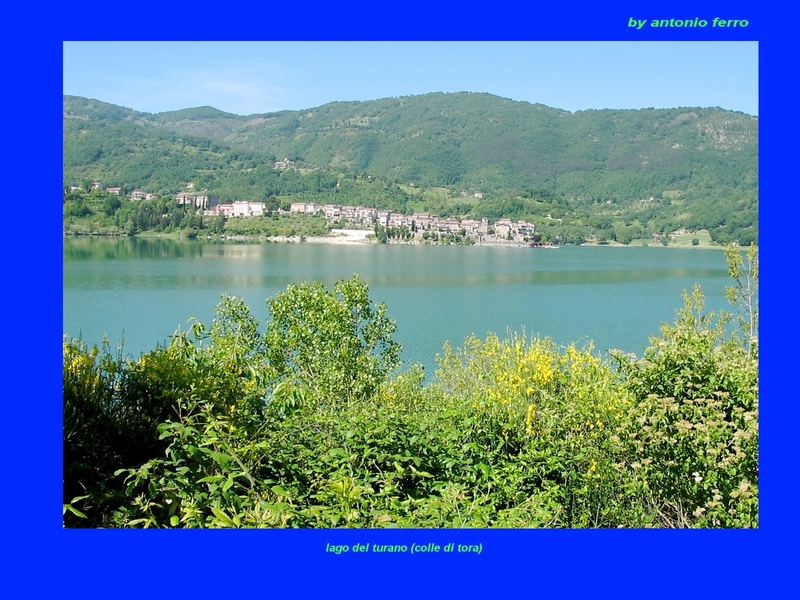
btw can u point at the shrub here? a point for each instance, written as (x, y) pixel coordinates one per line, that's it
(91, 427)
(693, 436)
(334, 342)
(542, 419)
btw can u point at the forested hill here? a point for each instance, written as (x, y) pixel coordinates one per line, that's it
(698, 164)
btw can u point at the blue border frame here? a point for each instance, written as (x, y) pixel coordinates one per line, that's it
(43, 559)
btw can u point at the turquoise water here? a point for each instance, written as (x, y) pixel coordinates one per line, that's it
(140, 290)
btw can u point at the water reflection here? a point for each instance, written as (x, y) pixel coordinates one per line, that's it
(119, 248)
(617, 297)
(277, 265)
(593, 277)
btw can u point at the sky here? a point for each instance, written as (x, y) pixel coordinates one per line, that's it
(258, 77)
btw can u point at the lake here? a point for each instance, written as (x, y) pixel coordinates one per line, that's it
(141, 290)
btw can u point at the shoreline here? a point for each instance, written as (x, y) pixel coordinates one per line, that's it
(362, 237)
(670, 246)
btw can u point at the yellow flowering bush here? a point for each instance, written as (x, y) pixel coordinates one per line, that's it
(91, 378)
(555, 410)
(494, 372)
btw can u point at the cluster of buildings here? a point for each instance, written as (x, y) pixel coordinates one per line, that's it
(416, 222)
(282, 165)
(116, 191)
(197, 200)
(140, 195)
(237, 208)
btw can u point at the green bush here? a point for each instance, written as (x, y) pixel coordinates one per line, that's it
(91, 428)
(335, 342)
(693, 436)
(542, 420)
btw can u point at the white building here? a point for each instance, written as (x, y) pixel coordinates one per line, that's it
(245, 208)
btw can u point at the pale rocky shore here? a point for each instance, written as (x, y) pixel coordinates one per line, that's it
(340, 236)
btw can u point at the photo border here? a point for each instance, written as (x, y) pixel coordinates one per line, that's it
(46, 559)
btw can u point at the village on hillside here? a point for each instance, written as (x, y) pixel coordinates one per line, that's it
(416, 226)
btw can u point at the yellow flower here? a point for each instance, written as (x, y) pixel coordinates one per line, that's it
(529, 416)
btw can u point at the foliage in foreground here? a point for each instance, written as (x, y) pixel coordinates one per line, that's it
(307, 425)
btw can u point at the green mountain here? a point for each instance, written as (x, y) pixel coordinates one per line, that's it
(655, 168)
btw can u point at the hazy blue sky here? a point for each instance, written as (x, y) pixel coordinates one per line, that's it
(255, 77)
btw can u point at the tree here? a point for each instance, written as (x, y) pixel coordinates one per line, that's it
(111, 204)
(76, 208)
(336, 343)
(218, 224)
(743, 295)
(381, 233)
